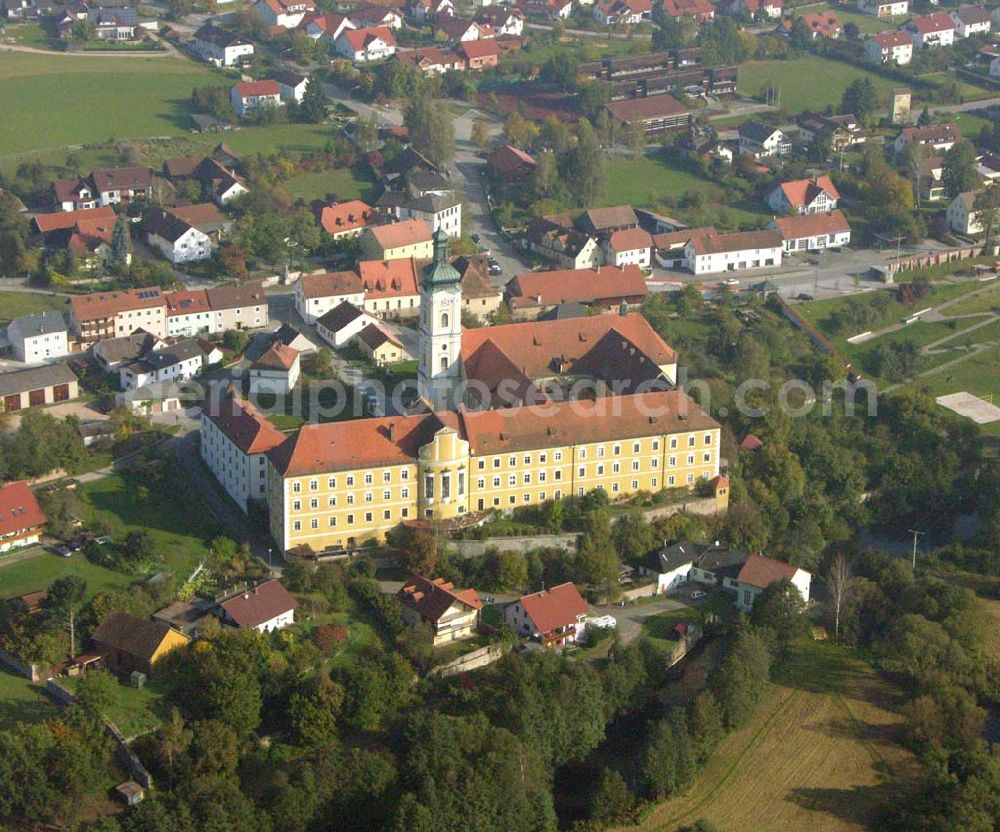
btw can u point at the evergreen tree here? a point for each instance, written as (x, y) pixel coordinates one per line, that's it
(121, 245)
(314, 104)
(960, 174)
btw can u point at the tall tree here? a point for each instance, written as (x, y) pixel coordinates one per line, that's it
(838, 579)
(65, 598)
(121, 246)
(432, 130)
(583, 169)
(959, 174)
(314, 104)
(861, 99)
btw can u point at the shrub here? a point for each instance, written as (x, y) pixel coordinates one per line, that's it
(330, 637)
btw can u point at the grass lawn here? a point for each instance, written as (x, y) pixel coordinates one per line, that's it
(645, 182)
(868, 24)
(977, 375)
(181, 531)
(659, 628)
(970, 125)
(814, 756)
(986, 302)
(139, 97)
(344, 182)
(134, 710)
(21, 701)
(797, 81)
(15, 304)
(361, 630)
(31, 34)
(36, 573)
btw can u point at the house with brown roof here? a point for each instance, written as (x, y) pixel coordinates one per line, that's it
(128, 644)
(656, 113)
(430, 9)
(628, 247)
(505, 21)
(266, 607)
(556, 617)
(284, 13)
(372, 15)
(215, 179)
(940, 137)
(276, 371)
(483, 53)
(622, 12)
(459, 29)
(815, 195)
(452, 614)
(431, 60)
(175, 238)
(379, 346)
(102, 187)
(565, 246)
(318, 293)
(340, 325)
(508, 162)
(391, 287)
(602, 288)
(971, 21)
(234, 439)
(21, 517)
(810, 232)
(758, 573)
(480, 298)
(738, 251)
(398, 240)
(346, 219)
(700, 10)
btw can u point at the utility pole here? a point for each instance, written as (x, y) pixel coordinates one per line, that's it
(915, 534)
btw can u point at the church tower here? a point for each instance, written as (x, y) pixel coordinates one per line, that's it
(440, 328)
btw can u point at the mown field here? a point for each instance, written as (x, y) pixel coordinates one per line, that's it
(819, 754)
(15, 304)
(52, 101)
(31, 574)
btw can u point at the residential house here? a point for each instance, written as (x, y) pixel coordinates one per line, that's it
(988, 166)
(670, 246)
(508, 163)
(430, 9)
(39, 337)
(763, 141)
(249, 96)
(556, 617)
(129, 644)
(176, 239)
(889, 48)
(935, 29)
(339, 325)
(366, 45)
(459, 29)
(823, 25)
(656, 113)
(318, 293)
(368, 17)
(931, 176)
(450, 614)
(962, 216)
(276, 371)
(49, 384)
(391, 287)
(442, 213)
(159, 397)
(287, 14)
(884, 8)
(114, 353)
(843, 130)
(266, 607)
(759, 572)
(670, 565)
(291, 85)
(809, 232)
(379, 346)
(103, 187)
(940, 137)
(90, 243)
(111, 23)
(432, 60)
(604, 288)
(189, 314)
(405, 239)
(115, 314)
(479, 54)
(221, 47)
(504, 20)
(753, 9)
(734, 252)
(623, 12)
(551, 9)
(205, 217)
(567, 247)
(326, 27)
(346, 219)
(815, 195)
(286, 335)
(632, 246)
(21, 517)
(234, 440)
(700, 10)
(216, 181)
(480, 298)
(238, 306)
(971, 21)
(176, 362)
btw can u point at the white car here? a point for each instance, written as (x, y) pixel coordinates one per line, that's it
(604, 621)
(698, 593)
(731, 281)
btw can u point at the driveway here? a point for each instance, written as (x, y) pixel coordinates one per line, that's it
(631, 618)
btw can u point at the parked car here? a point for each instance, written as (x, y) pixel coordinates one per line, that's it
(64, 551)
(698, 593)
(494, 267)
(475, 239)
(803, 296)
(731, 281)
(485, 251)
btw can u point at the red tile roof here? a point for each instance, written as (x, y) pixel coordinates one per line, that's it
(483, 48)
(186, 301)
(694, 8)
(507, 159)
(552, 609)
(761, 572)
(240, 422)
(346, 216)
(360, 38)
(810, 225)
(388, 278)
(99, 305)
(374, 336)
(330, 284)
(260, 604)
(277, 357)
(603, 283)
(19, 510)
(405, 233)
(249, 89)
(887, 40)
(431, 599)
(930, 23)
(801, 192)
(62, 220)
(826, 23)
(630, 239)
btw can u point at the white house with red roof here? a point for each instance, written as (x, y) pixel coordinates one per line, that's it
(971, 21)
(346, 219)
(700, 10)
(276, 371)
(249, 96)
(265, 608)
(884, 8)
(754, 9)
(21, 517)
(759, 572)
(325, 27)
(808, 232)
(430, 9)
(366, 45)
(889, 48)
(628, 246)
(234, 439)
(611, 12)
(935, 29)
(556, 617)
(287, 14)
(815, 195)
(452, 614)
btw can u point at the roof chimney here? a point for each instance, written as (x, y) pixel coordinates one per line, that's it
(392, 431)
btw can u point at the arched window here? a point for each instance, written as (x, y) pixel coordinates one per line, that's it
(444, 319)
(444, 362)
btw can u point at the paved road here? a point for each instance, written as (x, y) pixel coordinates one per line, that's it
(592, 33)
(631, 617)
